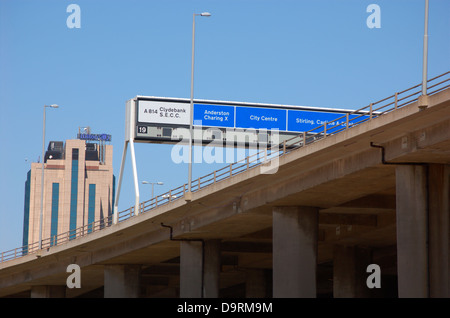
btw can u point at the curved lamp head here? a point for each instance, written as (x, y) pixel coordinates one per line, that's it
(147, 182)
(52, 106)
(205, 14)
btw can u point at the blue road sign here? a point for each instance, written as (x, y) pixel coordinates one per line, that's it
(290, 120)
(260, 118)
(301, 120)
(214, 115)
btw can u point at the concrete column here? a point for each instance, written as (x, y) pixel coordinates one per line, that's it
(199, 269)
(211, 269)
(122, 281)
(191, 269)
(295, 232)
(256, 283)
(349, 271)
(412, 252)
(439, 226)
(48, 291)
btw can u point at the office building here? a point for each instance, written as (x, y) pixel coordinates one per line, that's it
(78, 190)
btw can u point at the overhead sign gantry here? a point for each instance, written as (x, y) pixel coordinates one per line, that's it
(151, 119)
(165, 120)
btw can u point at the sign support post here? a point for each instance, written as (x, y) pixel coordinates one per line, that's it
(130, 124)
(116, 203)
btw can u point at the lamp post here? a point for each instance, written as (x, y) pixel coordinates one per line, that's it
(188, 196)
(425, 52)
(153, 185)
(423, 99)
(42, 175)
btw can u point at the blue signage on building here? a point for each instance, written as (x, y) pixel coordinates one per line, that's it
(100, 137)
(214, 115)
(260, 118)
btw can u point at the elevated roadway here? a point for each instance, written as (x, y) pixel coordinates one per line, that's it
(375, 193)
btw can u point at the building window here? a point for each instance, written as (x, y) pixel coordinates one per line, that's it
(55, 205)
(110, 211)
(73, 194)
(75, 152)
(26, 215)
(91, 207)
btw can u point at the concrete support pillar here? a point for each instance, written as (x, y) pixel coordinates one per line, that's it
(423, 230)
(191, 269)
(199, 269)
(211, 269)
(439, 227)
(256, 283)
(412, 227)
(122, 281)
(48, 291)
(295, 232)
(349, 271)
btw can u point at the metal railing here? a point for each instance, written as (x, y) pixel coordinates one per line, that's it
(349, 120)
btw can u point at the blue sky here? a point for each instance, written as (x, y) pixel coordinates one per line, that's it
(310, 53)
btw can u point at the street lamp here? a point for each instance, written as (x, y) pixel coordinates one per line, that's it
(425, 52)
(42, 175)
(423, 99)
(188, 196)
(153, 185)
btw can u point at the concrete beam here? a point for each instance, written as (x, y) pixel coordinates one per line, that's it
(348, 219)
(247, 247)
(48, 291)
(427, 145)
(373, 201)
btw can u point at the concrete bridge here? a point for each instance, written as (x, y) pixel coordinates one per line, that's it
(373, 193)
